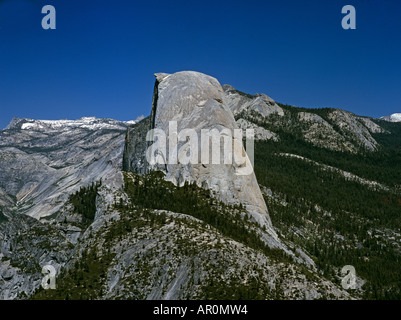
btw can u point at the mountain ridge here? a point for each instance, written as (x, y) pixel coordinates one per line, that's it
(81, 200)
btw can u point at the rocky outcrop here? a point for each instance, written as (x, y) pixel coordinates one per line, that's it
(350, 125)
(197, 101)
(371, 126)
(259, 103)
(260, 133)
(339, 130)
(321, 133)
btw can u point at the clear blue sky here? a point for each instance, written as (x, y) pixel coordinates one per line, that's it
(101, 58)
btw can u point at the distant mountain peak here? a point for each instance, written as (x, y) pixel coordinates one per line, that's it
(395, 117)
(84, 122)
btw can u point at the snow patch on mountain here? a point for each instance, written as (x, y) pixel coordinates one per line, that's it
(90, 123)
(395, 117)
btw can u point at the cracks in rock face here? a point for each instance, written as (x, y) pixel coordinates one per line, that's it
(153, 113)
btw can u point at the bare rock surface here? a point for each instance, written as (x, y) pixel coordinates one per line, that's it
(197, 101)
(43, 161)
(259, 103)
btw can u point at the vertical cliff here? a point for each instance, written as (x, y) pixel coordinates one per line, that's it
(196, 101)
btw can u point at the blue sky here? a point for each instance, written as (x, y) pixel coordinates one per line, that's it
(101, 58)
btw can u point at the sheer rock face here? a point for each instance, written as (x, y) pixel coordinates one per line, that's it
(134, 158)
(197, 101)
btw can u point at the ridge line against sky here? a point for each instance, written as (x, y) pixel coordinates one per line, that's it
(101, 58)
